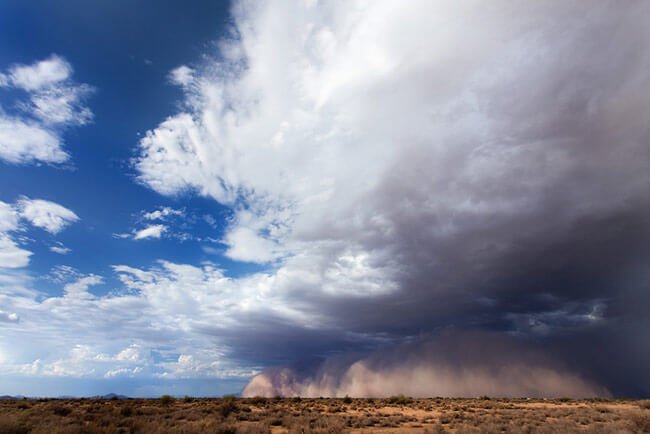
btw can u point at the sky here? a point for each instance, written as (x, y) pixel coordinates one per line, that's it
(324, 198)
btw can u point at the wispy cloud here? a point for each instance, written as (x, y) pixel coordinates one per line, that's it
(60, 249)
(163, 213)
(153, 231)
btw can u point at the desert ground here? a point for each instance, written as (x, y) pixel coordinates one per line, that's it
(341, 415)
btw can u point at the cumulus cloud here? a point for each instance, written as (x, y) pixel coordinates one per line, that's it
(41, 74)
(162, 213)
(152, 231)
(248, 246)
(162, 326)
(54, 102)
(396, 174)
(79, 288)
(182, 76)
(410, 174)
(46, 215)
(43, 214)
(12, 256)
(24, 141)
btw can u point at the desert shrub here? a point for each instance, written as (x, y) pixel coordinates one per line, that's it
(600, 399)
(10, 426)
(187, 399)
(227, 407)
(258, 400)
(254, 428)
(126, 411)
(61, 410)
(641, 422)
(347, 400)
(226, 429)
(166, 400)
(645, 405)
(400, 399)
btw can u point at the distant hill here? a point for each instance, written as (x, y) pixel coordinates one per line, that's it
(111, 396)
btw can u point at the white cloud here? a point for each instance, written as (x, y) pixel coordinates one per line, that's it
(382, 157)
(8, 317)
(62, 273)
(46, 215)
(55, 102)
(152, 231)
(79, 288)
(61, 106)
(170, 216)
(347, 124)
(170, 311)
(182, 76)
(12, 256)
(40, 74)
(60, 249)
(25, 142)
(245, 245)
(8, 217)
(162, 213)
(41, 213)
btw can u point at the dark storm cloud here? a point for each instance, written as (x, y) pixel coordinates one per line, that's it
(484, 167)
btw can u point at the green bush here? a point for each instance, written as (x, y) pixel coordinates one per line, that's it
(166, 400)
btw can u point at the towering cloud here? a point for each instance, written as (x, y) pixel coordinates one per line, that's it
(405, 167)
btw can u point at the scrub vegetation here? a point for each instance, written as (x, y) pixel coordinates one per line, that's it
(398, 414)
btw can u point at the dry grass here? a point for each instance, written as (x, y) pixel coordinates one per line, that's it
(291, 415)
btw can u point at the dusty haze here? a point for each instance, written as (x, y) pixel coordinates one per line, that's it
(454, 365)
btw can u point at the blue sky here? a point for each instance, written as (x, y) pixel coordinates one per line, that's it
(277, 198)
(124, 52)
